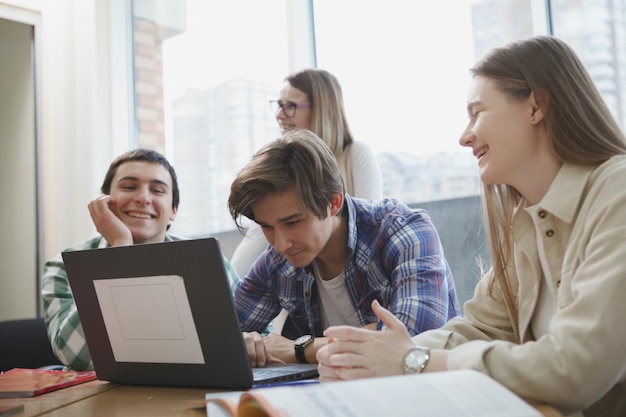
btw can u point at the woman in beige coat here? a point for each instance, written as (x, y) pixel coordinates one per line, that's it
(547, 319)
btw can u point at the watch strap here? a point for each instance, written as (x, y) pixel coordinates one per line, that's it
(299, 348)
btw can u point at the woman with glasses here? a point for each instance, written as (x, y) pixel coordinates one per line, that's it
(312, 99)
(547, 319)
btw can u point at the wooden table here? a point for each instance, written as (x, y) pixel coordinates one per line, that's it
(98, 398)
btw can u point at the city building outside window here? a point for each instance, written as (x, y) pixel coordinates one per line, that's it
(206, 70)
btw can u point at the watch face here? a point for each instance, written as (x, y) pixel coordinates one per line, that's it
(303, 339)
(416, 359)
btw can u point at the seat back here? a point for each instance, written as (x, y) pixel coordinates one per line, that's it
(24, 343)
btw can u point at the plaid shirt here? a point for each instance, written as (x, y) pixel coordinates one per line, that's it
(60, 314)
(394, 256)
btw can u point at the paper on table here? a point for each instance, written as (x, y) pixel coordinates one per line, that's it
(463, 393)
(225, 405)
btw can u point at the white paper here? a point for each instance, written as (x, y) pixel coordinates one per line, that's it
(216, 410)
(462, 393)
(149, 319)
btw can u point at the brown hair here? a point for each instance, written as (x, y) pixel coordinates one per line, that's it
(299, 160)
(146, 155)
(579, 126)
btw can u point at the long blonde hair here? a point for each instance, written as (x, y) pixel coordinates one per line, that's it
(580, 128)
(328, 117)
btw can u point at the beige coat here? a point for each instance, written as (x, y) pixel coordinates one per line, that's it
(580, 364)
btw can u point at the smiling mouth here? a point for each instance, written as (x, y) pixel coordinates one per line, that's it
(139, 215)
(480, 153)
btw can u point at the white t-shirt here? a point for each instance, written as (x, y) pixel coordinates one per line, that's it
(335, 306)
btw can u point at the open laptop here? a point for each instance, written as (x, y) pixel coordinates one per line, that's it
(163, 314)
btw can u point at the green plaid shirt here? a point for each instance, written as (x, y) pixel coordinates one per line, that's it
(60, 314)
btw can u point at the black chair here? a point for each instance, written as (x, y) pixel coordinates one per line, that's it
(24, 343)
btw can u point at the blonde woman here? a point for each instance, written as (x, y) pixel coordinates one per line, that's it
(547, 320)
(312, 99)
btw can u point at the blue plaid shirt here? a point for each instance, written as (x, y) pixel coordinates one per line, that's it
(394, 256)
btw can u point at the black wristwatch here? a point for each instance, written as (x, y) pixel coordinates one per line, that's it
(300, 344)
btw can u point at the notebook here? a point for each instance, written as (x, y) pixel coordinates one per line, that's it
(163, 314)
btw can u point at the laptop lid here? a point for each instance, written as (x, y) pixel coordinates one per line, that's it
(163, 314)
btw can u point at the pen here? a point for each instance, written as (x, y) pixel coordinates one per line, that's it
(286, 383)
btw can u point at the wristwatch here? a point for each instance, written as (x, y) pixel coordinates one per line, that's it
(416, 359)
(300, 344)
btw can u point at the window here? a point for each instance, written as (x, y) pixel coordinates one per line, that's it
(406, 80)
(205, 71)
(597, 31)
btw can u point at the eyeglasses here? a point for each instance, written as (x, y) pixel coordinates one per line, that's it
(289, 107)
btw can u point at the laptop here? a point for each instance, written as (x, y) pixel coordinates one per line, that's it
(163, 314)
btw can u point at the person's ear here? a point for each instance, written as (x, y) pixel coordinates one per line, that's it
(174, 211)
(336, 204)
(538, 102)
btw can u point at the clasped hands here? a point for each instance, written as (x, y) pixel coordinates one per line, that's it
(351, 352)
(354, 352)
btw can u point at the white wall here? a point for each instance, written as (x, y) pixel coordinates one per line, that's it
(18, 239)
(74, 113)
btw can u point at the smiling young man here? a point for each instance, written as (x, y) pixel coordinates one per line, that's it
(139, 200)
(330, 255)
